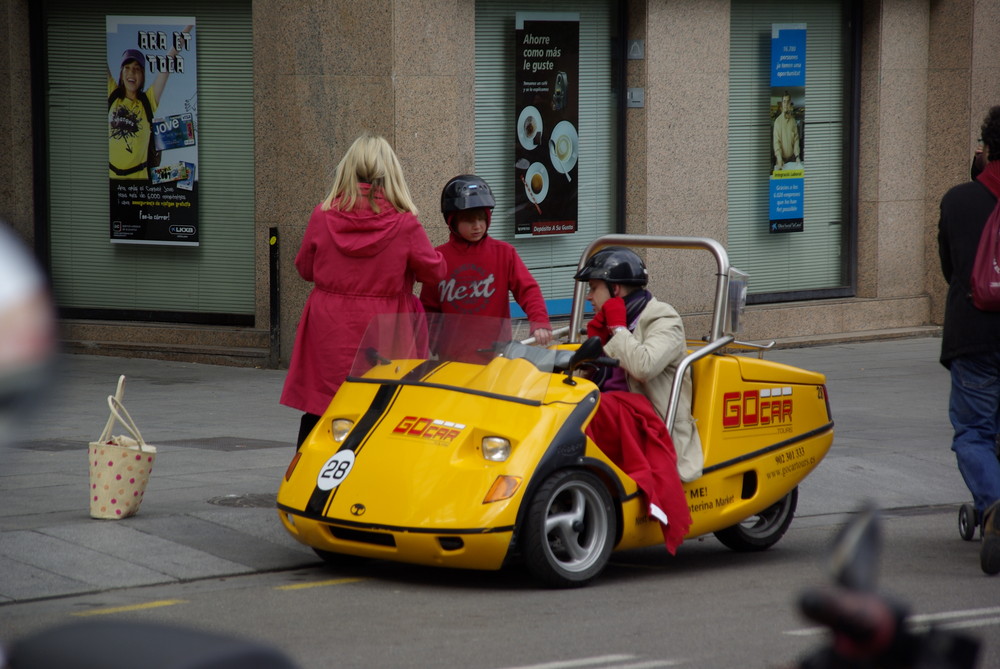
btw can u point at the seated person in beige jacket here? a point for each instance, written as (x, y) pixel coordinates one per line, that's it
(647, 337)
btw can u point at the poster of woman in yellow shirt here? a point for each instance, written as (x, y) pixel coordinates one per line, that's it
(152, 130)
(130, 114)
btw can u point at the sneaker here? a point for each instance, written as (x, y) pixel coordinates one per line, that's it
(989, 554)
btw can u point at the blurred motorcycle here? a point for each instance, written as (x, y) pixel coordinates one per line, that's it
(870, 629)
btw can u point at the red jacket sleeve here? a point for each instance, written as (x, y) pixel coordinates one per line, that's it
(527, 293)
(426, 262)
(430, 297)
(307, 252)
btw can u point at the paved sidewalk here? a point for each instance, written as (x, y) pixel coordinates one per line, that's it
(224, 441)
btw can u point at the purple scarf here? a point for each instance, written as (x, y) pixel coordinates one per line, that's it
(990, 177)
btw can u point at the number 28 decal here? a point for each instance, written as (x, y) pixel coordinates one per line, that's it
(335, 470)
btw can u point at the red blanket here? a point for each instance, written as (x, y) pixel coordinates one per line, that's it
(631, 433)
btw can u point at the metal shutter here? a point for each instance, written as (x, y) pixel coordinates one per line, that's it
(551, 259)
(813, 259)
(88, 271)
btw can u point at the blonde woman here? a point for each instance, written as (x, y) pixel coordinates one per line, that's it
(363, 250)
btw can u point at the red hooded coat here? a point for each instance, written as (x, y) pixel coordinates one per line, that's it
(362, 263)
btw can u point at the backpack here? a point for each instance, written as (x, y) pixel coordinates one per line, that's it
(153, 154)
(985, 277)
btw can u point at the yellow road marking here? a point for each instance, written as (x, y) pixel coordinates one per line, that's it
(133, 607)
(318, 584)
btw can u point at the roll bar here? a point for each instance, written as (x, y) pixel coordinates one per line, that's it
(717, 338)
(657, 242)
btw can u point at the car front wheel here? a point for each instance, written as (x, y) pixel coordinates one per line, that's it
(569, 529)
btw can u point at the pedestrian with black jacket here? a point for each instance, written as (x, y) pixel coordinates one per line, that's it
(970, 346)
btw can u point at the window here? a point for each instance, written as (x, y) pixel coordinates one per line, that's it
(91, 275)
(552, 259)
(816, 261)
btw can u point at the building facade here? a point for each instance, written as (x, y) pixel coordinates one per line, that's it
(667, 110)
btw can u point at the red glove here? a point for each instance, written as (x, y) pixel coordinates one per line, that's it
(597, 328)
(614, 313)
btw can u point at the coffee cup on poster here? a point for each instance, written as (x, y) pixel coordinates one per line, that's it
(537, 183)
(564, 147)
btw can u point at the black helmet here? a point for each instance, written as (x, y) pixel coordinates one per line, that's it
(466, 191)
(615, 264)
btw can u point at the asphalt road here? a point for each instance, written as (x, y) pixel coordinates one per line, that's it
(707, 607)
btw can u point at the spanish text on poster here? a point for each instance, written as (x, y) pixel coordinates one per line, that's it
(787, 113)
(152, 130)
(546, 140)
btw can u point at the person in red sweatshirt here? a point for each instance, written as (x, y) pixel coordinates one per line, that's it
(482, 271)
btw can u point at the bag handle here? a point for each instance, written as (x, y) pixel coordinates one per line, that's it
(119, 395)
(119, 412)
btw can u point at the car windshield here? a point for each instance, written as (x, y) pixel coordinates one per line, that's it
(416, 347)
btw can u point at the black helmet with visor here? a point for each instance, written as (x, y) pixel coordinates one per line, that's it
(466, 191)
(615, 264)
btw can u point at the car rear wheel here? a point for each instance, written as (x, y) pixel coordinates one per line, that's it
(569, 529)
(760, 532)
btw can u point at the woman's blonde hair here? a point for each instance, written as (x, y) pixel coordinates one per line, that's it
(369, 160)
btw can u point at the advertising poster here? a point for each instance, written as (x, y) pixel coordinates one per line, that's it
(152, 130)
(546, 142)
(788, 110)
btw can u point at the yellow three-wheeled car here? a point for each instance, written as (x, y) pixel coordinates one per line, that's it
(455, 443)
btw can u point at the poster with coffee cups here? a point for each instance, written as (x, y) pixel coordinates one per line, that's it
(546, 140)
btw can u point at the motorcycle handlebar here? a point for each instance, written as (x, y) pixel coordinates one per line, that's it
(871, 630)
(864, 623)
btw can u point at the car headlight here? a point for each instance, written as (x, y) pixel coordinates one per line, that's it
(340, 427)
(496, 449)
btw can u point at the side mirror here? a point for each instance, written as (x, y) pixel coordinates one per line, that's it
(737, 301)
(375, 358)
(591, 349)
